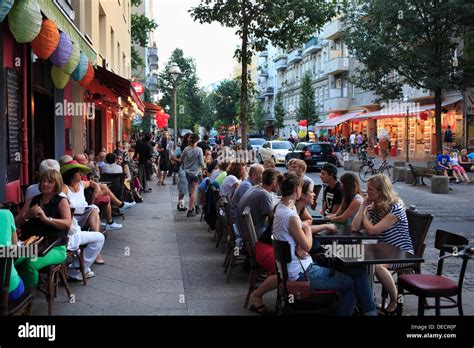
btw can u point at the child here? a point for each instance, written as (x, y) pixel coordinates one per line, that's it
(458, 169)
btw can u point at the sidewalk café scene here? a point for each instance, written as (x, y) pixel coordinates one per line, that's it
(144, 174)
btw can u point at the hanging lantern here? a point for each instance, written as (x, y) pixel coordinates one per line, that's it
(424, 115)
(47, 40)
(63, 52)
(25, 20)
(88, 77)
(73, 61)
(60, 79)
(5, 7)
(81, 68)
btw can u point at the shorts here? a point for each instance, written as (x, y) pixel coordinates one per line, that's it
(101, 200)
(459, 169)
(192, 178)
(84, 217)
(265, 256)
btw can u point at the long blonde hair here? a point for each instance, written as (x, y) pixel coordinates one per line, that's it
(388, 196)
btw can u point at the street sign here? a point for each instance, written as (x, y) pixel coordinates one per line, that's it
(138, 88)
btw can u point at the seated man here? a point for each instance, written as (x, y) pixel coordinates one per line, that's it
(299, 167)
(101, 160)
(111, 167)
(254, 178)
(444, 163)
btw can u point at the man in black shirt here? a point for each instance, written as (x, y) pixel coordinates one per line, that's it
(333, 194)
(204, 144)
(144, 151)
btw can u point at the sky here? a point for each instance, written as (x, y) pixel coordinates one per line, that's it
(211, 45)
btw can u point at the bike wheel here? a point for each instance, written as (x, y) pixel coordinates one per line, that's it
(365, 172)
(391, 172)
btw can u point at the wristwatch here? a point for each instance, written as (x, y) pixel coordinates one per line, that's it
(50, 219)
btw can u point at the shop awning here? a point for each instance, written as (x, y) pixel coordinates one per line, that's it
(333, 122)
(120, 86)
(384, 113)
(53, 12)
(152, 107)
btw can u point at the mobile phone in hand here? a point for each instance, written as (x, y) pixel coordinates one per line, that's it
(316, 190)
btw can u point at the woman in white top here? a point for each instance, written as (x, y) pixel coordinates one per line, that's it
(352, 199)
(236, 172)
(287, 226)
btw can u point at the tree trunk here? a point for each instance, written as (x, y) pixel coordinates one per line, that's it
(244, 77)
(439, 134)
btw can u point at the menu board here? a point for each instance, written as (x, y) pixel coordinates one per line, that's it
(412, 134)
(427, 135)
(13, 119)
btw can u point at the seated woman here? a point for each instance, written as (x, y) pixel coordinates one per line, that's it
(351, 201)
(46, 215)
(8, 237)
(237, 171)
(221, 169)
(465, 161)
(307, 198)
(350, 284)
(460, 171)
(382, 213)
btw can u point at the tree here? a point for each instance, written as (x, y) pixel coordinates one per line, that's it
(286, 24)
(226, 100)
(307, 109)
(190, 104)
(141, 26)
(258, 116)
(279, 111)
(407, 42)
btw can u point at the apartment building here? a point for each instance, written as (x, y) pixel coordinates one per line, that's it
(342, 107)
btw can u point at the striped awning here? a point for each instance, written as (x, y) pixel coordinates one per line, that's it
(333, 122)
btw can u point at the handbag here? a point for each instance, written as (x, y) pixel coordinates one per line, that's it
(300, 289)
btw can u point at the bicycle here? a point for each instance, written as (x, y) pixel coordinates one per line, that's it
(368, 169)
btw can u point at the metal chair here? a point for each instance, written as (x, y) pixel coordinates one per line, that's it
(438, 286)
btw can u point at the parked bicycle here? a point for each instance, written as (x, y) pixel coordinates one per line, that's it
(368, 169)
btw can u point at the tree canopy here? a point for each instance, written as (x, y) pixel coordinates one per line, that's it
(307, 108)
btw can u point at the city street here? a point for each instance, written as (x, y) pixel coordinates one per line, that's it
(173, 267)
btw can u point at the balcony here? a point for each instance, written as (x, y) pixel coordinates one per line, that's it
(263, 71)
(153, 52)
(269, 92)
(152, 83)
(338, 100)
(281, 62)
(336, 66)
(313, 45)
(294, 57)
(268, 116)
(332, 30)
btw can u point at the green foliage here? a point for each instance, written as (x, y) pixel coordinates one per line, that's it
(284, 23)
(226, 100)
(137, 60)
(407, 42)
(136, 3)
(307, 109)
(258, 116)
(141, 26)
(279, 111)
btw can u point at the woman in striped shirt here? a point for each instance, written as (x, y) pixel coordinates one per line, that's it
(383, 214)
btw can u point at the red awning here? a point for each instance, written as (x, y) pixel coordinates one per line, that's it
(334, 121)
(385, 113)
(149, 107)
(120, 86)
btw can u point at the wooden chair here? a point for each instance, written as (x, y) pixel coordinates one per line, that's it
(419, 225)
(224, 219)
(78, 254)
(320, 302)
(22, 306)
(437, 286)
(117, 186)
(256, 271)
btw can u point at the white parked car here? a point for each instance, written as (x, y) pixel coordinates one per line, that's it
(256, 143)
(275, 150)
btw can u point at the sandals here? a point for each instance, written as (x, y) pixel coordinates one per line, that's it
(262, 310)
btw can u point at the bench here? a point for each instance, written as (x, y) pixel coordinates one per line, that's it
(422, 172)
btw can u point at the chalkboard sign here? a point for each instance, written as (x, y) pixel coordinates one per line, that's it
(13, 111)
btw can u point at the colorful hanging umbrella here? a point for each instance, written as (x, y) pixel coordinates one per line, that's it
(5, 7)
(73, 61)
(60, 79)
(25, 20)
(63, 52)
(81, 68)
(88, 77)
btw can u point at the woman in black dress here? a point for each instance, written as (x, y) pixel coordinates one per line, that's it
(164, 161)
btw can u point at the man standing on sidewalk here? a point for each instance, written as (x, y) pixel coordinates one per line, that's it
(145, 153)
(192, 160)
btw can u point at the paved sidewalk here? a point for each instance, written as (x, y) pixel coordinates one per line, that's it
(163, 263)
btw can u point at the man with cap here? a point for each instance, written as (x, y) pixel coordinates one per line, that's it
(333, 194)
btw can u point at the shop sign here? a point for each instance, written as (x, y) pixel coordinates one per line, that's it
(138, 88)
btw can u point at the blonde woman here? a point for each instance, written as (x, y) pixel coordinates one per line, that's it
(383, 213)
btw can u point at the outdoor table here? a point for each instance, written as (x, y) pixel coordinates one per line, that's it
(344, 233)
(380, 253)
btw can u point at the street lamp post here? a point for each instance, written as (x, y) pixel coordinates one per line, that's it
(174, 71)
(407, 140)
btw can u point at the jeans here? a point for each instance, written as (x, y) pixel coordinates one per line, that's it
(351, 285)
(142, 175)
(28, 269)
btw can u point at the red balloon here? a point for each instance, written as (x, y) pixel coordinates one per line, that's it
(167, 116)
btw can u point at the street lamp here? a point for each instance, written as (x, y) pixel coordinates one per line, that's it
(174, 72)
(405, 99)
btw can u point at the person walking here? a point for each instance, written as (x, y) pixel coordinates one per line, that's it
(448, 137)
(193, 162)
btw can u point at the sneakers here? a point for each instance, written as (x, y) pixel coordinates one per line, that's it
(103, 225)
(181, 207)
(190, 213)
(90, 274)
(113, 226)
(126, 206)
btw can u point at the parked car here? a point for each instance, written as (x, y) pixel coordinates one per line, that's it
(256, 143)
(316, 155)
(275, 150)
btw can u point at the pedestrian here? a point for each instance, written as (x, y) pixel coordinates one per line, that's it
(144, 153)
(448, 137)
(164, 160)
(352, 140)
(192, 160)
